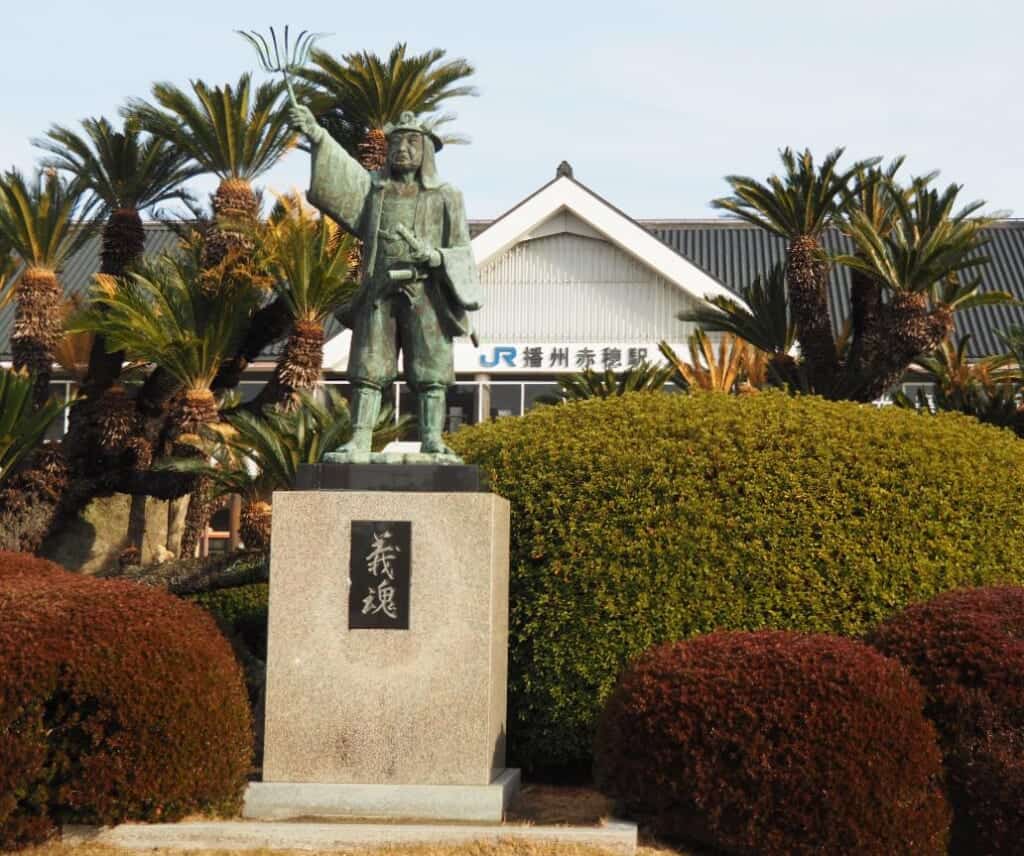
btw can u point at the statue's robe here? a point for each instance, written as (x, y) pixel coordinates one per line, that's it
(351, 195)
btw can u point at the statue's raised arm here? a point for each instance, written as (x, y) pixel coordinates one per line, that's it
(339, 185)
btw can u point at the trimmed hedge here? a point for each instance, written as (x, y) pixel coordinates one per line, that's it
(967, 650)
(243, 610)
(653, 517)
(775, 742)
(117, 702)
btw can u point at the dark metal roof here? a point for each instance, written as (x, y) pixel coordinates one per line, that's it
(732, 252)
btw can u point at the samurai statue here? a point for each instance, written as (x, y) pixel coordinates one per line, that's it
(418, 281)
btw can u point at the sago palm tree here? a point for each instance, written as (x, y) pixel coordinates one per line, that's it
(126, 171)
(22, 424)
(644, 377)
(309, 257)
(160, 315)
(736, 367)
(357, 94)
(37, 222)
(919, 258)
(799, 206)
(253, 455)
(230, 131)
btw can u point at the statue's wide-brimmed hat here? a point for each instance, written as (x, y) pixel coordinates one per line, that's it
(407, 121)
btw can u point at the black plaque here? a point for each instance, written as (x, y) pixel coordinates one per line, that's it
(379, 569)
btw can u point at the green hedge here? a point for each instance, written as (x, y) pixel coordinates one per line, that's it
(653, 517)
(243, 610)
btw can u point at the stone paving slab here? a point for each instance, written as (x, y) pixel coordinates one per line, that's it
(614, 836)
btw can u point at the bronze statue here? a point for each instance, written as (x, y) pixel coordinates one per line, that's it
(419, 279)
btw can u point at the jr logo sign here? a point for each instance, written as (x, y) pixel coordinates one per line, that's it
(501, 354)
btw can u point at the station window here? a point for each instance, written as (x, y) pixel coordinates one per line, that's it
(506, 400)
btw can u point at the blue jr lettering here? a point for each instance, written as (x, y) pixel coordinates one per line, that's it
(502, 354)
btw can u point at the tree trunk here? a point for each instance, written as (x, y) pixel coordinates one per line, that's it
(908, 329)
(177, 512)
(196, 519)
(235, 209)
(137, 523)
(34, 498)
(298, 368)
(124, 240)
(38, 326)
(269, 324)
(807, 278)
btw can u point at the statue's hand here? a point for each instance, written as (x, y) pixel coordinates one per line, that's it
(422, 253)
(427, 255)
(302, 119)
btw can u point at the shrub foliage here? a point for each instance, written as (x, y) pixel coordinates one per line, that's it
(243, 610)
(652, 517)
(775, 742)
(116, 702)
(967, 649)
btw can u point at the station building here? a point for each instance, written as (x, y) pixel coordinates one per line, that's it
(571, 282)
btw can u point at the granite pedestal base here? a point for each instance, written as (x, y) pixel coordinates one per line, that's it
(401, 708)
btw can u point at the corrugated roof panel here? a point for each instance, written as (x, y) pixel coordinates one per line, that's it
(732, 252)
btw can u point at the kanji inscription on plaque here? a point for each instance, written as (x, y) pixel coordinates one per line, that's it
(379, 572)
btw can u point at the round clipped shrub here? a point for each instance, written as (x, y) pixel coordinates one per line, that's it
(653, 517)
(967, 649)
(775, 742)
(117, 702)
(242, 609)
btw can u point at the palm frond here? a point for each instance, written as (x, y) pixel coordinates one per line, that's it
(927, 242)
(311, 258)
(122, 169)
(766, 324)
(160, 315)
(358, 92)
(803, 201)
(22, 424)
(37, 217)
(227, 130)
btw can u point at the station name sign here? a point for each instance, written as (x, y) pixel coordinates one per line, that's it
(556, 357)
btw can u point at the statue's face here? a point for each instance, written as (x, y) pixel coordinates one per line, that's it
(405, 151)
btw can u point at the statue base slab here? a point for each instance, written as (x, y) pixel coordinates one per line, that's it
(288, 801)
(441, 478)
(356, 696)
(392, 458)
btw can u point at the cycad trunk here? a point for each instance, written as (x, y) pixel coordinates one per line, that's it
(807, 278)
(30, 500)
(235, 209)
(909, 328)
(124, 240)
(373, 155)
(38, 326)
(298, 369)
(255, 525)
(373, 150)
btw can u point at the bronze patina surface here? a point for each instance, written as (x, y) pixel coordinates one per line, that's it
(419, 279)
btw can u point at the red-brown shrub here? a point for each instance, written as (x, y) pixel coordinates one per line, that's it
(775, 743)
(966, 648)
(116, 702)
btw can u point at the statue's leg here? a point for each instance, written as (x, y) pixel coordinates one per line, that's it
(372, 365)
(432, 401)
(365, 410)
(429, 365)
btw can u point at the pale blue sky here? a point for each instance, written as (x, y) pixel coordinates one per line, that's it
(652, 102)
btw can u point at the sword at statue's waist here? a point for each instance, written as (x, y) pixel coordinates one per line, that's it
(407, 274)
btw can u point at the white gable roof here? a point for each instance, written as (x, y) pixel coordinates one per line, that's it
(575, 208)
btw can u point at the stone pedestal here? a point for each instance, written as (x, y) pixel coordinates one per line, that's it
(405, 708)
